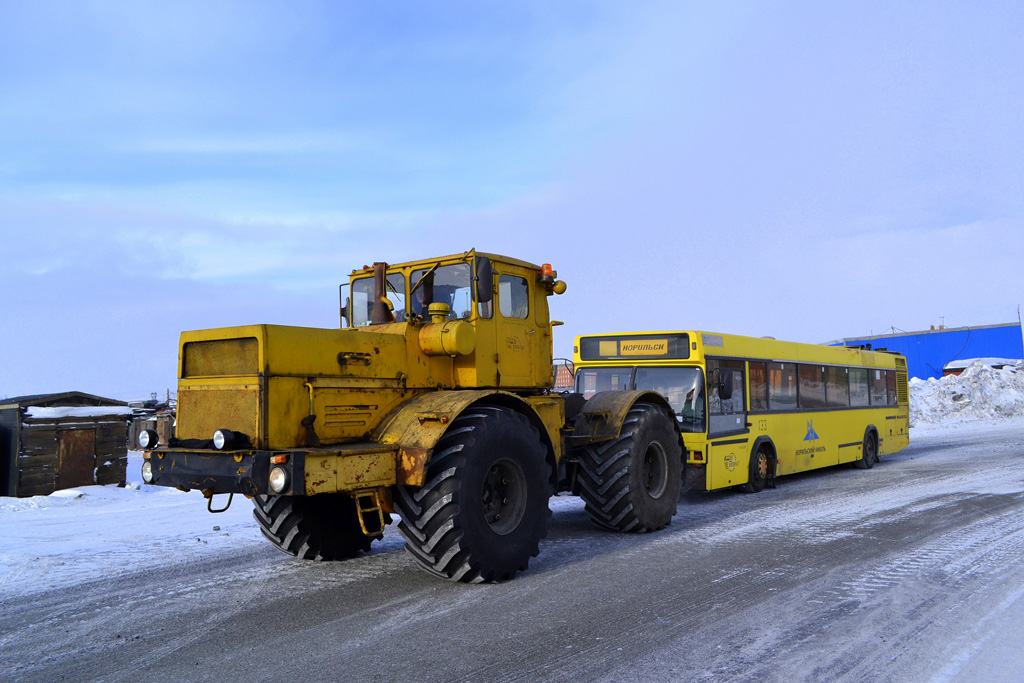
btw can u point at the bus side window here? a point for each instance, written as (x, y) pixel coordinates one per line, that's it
(859, 395)
(878, 388)
(782, 386)
(758, 386)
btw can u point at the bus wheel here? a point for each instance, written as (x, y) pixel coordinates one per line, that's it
(483, 508)
(632, 483)
(759, 466)
(870, 452)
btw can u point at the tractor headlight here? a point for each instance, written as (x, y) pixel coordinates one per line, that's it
(278, 480)
(147, 471)
(223, 439)
(148, 438)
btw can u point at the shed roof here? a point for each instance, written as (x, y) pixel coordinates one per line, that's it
(67, 398)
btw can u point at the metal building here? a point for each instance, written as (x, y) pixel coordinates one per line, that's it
(929, 351)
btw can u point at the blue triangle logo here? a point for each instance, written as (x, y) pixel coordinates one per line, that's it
(811, 434)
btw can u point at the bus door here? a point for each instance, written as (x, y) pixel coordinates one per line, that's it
(728, 434)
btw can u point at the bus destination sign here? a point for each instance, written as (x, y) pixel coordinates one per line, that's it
(635, 347)
(647, 347)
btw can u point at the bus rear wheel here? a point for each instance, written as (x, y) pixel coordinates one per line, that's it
(632, 483)
(760, 465)
(870, 453)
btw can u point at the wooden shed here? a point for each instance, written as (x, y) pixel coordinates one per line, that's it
(59, 441)
(162, 423)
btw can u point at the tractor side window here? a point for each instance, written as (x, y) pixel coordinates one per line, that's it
(362, 302)
(396, 294)
(362, 298)
(450, 285)
(513, 297)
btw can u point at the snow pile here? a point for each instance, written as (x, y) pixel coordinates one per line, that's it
(978, 393)
(93, 532)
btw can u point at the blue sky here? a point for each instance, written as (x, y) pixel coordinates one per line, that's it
(804, 170)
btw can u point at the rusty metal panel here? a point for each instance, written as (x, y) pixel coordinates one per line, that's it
(417, 425)
(603, 413)
(332, 472)
(76, 458)
(204, 409)
(221, 357)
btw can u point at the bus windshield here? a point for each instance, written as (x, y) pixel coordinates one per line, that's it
(682, 386)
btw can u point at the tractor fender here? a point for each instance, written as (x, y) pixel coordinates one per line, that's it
(603, 414)
(415, 427)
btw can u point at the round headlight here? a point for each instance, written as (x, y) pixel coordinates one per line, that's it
(278, 479)
(223, 439)
(147, 471)
(148, 438)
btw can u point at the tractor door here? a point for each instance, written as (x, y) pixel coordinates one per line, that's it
(517, 336)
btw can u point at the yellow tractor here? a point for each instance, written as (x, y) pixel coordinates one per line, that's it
(433, 400)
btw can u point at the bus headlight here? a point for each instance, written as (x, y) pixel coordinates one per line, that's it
(147, 471)
(278, 479)
(148, 438)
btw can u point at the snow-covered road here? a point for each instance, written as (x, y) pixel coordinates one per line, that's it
(909, 571)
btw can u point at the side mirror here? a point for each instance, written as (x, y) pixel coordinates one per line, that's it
(722, 381)
(484, 280)
(725, 386)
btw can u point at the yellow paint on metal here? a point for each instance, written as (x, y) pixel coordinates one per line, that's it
(389, 390)
(333, 472)
(451, 338)
(802, 440)
(551, 412)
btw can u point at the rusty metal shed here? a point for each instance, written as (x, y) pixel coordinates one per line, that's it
(58, 441)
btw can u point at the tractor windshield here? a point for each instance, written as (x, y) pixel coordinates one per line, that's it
(452, 285)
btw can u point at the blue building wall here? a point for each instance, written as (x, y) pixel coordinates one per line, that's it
(928, 351)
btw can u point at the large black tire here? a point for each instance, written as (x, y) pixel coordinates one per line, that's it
(760, 468)
(869, 453)
(632, 483)
(321, 527)
(483, 509)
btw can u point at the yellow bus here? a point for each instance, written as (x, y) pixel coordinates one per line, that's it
(752, 409)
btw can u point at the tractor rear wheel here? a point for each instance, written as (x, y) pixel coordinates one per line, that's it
(632, 483)
(483, 509)
(321, 527)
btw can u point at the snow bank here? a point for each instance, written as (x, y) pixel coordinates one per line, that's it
(978, 393)
(91, 532)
